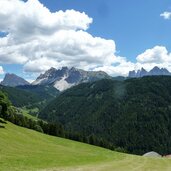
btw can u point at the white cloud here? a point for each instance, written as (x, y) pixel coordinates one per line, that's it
(1, 70)
(40, 65)
(156, 56)
(70, 48)
(166, 15)
(40, 39)
(120, 69)
(32, 18)
(28, 23)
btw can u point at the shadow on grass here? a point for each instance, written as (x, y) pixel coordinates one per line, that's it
(2, 122)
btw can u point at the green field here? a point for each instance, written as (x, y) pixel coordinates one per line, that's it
(23, 149)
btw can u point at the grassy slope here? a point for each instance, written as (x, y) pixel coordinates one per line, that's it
(24, 149)
(25, 112)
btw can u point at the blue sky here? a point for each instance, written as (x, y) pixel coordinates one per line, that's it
(134, 26)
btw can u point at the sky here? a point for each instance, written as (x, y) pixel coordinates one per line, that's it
(109, 35)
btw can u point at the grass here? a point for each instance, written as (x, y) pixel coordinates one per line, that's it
(28, 150)
(26, 112)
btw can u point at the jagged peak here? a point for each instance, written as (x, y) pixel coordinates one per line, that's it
(65, 77)
(52, 69)
(13, 80)
(154, 71)
(11, 74)
(73, 69)
(155, 68)
(142, 69)
(64, 68)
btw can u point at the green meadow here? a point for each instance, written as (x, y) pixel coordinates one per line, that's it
(22, 149)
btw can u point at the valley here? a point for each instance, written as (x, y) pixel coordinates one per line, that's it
(130, 115)
(133, 114)
(85, 85)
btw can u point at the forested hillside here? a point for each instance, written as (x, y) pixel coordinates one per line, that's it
(134, 114)
(30, 96)
(4, 107)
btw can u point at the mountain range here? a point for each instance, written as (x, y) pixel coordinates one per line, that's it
(155, 71)
(61, 79)
(131, 114)
(65, 77)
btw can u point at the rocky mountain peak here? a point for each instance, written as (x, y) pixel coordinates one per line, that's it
(13, 80)
(154, 71)
(66, 77)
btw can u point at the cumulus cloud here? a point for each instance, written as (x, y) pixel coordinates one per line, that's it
(120, 69)
(156, 56)
(166, 15)
(39, 65)
(32, 18)
(40, 39)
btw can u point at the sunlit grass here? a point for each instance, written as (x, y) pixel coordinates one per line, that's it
(24, 149)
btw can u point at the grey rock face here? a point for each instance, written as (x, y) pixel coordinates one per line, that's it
(66, 77)
(13, 80)
(155, 71)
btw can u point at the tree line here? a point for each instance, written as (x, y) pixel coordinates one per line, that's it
(10, 113)
(134, 114)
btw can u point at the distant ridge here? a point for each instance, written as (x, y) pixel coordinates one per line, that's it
(155, 71)
(65, 77)
(13, 80)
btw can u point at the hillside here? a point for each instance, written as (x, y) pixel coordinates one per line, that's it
(134, 114)
(24, 149)
(30, 96)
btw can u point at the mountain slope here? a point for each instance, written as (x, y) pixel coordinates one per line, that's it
(44, 92)
(65, 78)
(134, 114)
(13, 80)
(24, 149)
(30, 96)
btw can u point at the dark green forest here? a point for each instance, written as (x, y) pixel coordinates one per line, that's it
(133, 115)
(10, 113)
(30, 96)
